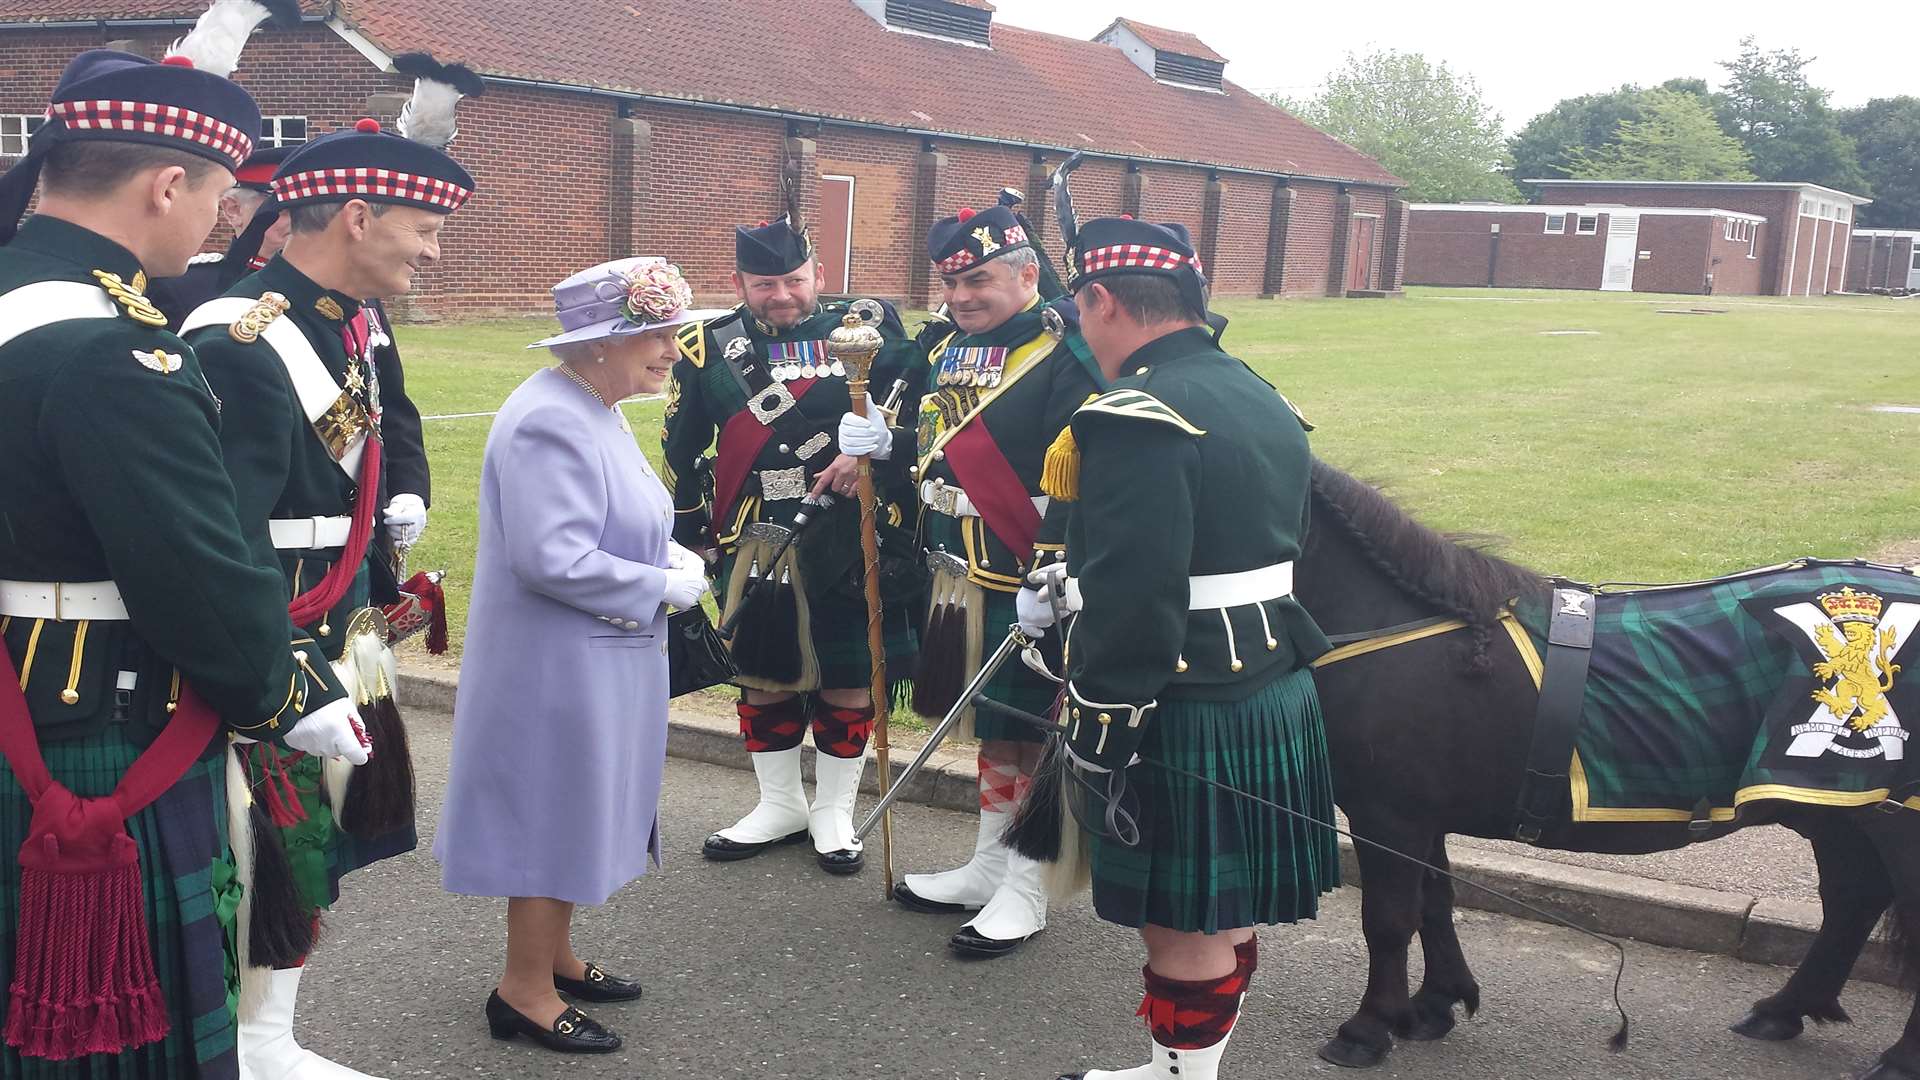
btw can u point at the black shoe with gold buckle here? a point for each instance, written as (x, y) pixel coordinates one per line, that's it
(573, 1033)
(598, 986)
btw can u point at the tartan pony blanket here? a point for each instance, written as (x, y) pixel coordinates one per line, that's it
(1799, 682)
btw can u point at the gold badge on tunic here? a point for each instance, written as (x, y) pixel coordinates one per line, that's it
(137, 306)
(247, 328)
(329, 307)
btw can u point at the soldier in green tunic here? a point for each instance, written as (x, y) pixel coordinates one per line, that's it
(289, 350)
(141, 635)
(1188, 480)
(763, 379)
(1005, 370)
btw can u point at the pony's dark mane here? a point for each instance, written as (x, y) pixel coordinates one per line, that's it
(1451, 572)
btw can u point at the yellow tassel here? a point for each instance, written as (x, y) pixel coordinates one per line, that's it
(1060, 478)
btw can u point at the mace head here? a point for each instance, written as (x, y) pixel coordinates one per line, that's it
(857, 340)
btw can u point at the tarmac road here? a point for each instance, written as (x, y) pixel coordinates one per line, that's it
(770, 968)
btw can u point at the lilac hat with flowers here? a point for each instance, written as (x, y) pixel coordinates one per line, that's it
(625, 296)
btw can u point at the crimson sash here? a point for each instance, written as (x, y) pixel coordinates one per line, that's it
(739, 447)
(995, 490)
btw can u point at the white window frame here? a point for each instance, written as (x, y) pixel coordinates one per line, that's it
(271, 135)
(1808, 208)
(1728, 228)
(1586, 225)
(1753, 240)
(1915, 260)
(1549, 227)
(15, 130)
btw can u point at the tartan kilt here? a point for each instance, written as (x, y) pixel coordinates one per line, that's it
(1208, 860)
(190, 890)
(839, 627)
(319, 852)
(1014, 684)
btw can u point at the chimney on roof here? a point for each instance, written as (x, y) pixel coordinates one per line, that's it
(969, 22)
(1170, 56)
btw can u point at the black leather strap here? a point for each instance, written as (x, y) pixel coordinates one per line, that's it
(1563, 685)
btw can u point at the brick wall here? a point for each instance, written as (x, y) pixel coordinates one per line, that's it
(1879, 262)
(568, 179)
(1455, 247)
(1678, 250)
(1735, 274)
(1780, 206)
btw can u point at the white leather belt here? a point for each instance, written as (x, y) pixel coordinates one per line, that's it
(300, 534)
(1206, 592)
(944, 498)
(62, 601)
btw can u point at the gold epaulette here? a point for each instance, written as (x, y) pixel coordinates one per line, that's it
(131, 296)
(1305, 424)
(1060, 472)
(1133, 404)
(247, 328)
(691, 340)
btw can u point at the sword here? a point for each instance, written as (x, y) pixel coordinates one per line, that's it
(1015, 640)
(752, 589)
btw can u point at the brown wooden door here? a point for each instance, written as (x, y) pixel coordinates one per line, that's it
(1360, 253)
(833, 232)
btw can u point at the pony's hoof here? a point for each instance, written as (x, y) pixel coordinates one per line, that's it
(1349, 1054)
(1430, 1027)
(1769, 1027)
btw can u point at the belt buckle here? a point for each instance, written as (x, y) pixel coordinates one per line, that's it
(781, 484)
(820, 441)
(943, 499)
(770, 404)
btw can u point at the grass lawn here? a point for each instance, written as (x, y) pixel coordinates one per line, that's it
(1650, 446)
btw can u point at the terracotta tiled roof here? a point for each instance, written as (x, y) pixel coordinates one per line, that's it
(1164, 40)
(827, 58)
(86, 10)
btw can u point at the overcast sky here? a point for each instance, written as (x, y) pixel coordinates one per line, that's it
(1525, 57)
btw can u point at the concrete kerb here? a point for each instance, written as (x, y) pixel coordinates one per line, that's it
(1751, 928)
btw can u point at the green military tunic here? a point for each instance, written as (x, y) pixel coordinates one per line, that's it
(1192, 468)
(113, 471)
(707, 391)
(1020, 383)
(281, 469)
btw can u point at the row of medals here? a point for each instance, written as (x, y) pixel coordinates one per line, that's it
(787, 372)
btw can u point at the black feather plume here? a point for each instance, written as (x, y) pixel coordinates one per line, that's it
(791, 193)
(423, 66)
(1063, 204)
(284, 14)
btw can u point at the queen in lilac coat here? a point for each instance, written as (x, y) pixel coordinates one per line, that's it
(560, 724)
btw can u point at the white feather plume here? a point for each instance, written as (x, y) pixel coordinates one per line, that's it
(429, 114)
(215, 41)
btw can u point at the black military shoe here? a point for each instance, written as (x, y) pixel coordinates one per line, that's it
(913, 901)
(841, 862)
(598, 986)
(720, 849)
(969, 942)
(573, 1033)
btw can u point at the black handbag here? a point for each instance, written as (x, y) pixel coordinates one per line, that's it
(696, 657)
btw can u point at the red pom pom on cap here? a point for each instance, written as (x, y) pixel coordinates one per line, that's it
(1126, 217)
(762, 225)
(966, 213)
(179, 61)
(367, 124)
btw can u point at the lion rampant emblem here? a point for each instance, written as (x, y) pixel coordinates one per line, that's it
(1859, 659)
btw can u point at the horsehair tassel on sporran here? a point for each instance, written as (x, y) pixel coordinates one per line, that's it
(273, 930)
(940, 672)
(380, 794)
(766, 640)
(83, 973)
(854, 344)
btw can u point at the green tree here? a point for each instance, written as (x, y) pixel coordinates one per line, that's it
(1887, 133)
(1784, 121)
(1421, 120)
(1544, 149)
(1676, 138)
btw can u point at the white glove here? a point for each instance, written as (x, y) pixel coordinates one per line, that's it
(866, 436)
(685, 586)
(334, 731)
(406, 517)
(679, 558)
(1035, 614)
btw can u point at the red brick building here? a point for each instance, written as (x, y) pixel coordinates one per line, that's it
(1613, 248)
(1884, 260)
(1803, 249)
(654, 126)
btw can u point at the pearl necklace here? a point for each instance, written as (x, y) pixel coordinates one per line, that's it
(581, 381)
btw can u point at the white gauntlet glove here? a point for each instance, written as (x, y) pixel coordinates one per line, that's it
(1035, 614)
(686, 585)
(334, 731)
(866, 436)
(406, 517)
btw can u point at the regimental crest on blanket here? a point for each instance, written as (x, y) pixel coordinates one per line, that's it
(1851, 640)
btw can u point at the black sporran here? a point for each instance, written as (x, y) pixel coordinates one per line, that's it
(696, 657)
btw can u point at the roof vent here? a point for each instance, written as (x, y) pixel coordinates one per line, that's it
(1170, 56)
(969, 22)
